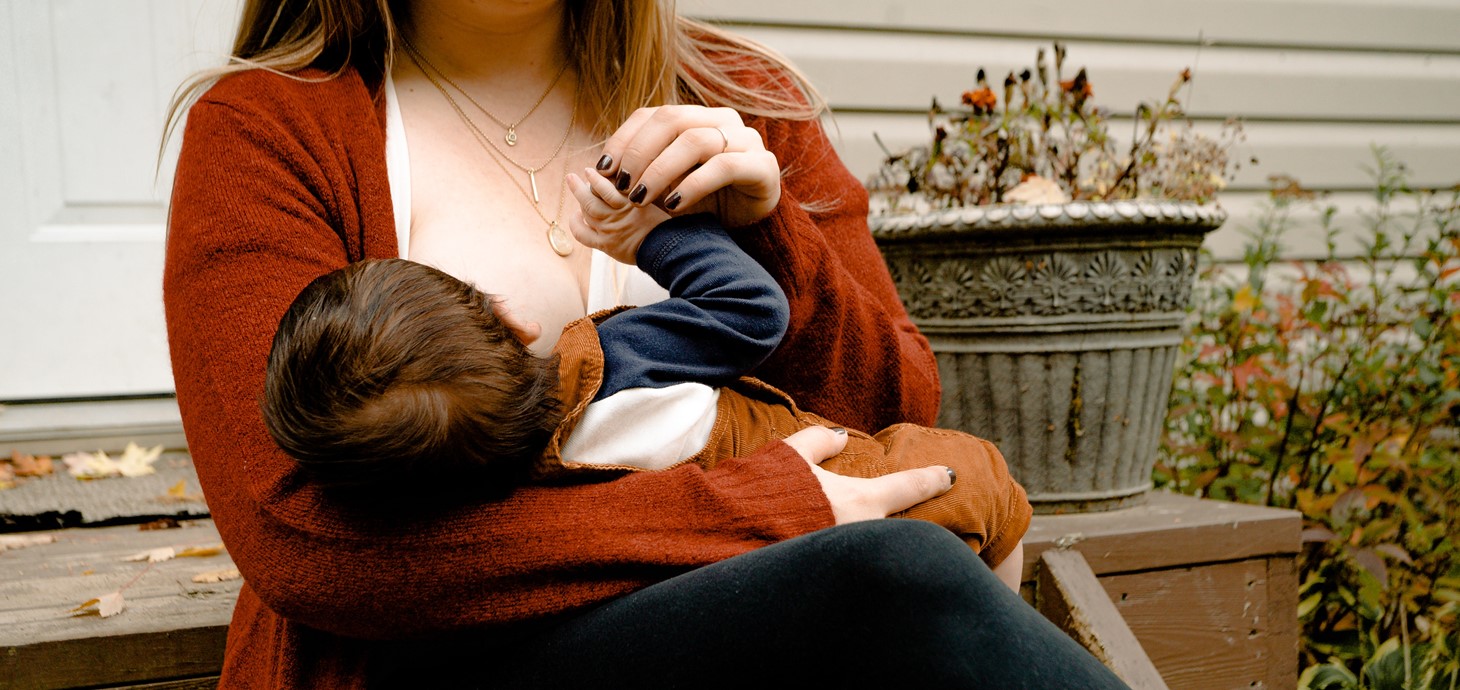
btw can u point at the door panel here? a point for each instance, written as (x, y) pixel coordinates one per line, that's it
(84, 86)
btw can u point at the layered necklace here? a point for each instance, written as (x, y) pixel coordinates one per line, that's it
(557, 236)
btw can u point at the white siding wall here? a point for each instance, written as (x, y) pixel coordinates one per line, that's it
(1316, 82)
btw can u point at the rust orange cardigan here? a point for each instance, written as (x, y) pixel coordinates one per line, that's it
(280, 181)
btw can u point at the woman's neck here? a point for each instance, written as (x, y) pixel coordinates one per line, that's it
(506, 46)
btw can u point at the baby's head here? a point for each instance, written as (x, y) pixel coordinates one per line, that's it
(385, 371)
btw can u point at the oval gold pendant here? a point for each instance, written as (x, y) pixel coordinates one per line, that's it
(561, 241)
(511, 136)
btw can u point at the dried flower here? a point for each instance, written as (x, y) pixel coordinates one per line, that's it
(1049, 130)
(981, 100)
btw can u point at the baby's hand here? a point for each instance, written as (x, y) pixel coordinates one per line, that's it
(608, 222)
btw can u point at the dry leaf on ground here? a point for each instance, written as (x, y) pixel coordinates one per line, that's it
(212, 576)
(158, 555)
(167, 553)
(200, 551)
(109, 604)
(137, 461)
(20, 541)
(159, 523)
(27, 465)
(134, 461)
(178, 493)
(84, 465)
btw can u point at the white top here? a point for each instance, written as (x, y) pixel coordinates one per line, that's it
(652, 428)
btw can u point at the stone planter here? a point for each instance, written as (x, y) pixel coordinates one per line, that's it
(1056, 328)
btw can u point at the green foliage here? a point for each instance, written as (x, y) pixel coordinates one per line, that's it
(1333, 387)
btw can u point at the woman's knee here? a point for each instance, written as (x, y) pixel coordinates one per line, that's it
(905, 555)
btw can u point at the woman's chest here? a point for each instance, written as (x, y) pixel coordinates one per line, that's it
(482, 225)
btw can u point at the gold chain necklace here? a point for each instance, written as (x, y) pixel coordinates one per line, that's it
(557, 236)
(531, 172)
(511, 136)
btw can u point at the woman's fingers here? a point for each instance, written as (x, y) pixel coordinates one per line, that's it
(752, 176)
(854, 498)
(641, 140)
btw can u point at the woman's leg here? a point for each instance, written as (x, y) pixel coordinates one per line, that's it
(886, 603)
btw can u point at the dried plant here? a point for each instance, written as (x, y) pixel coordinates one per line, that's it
(1044, 140)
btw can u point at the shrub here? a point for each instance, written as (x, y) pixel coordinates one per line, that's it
(1333, 387)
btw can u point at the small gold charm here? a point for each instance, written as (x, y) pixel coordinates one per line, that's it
(560, 240)
(511, 136)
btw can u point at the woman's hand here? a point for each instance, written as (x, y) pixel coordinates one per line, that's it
(854, 498)
(679, 156)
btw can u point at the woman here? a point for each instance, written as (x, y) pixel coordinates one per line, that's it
(439, 130)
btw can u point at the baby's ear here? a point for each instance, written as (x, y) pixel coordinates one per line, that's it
(526, 331)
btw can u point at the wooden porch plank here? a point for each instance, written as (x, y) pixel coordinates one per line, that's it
(172, 627)
(1072, 597)
(1170, 530)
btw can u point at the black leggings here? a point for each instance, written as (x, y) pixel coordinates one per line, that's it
(884, 604)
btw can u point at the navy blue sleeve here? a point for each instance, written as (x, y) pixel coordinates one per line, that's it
(725, 314)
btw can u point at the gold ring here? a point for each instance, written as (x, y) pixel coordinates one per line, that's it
(724, 138)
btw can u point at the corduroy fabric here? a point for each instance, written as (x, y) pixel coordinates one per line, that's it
(281, 180)
(985, 506)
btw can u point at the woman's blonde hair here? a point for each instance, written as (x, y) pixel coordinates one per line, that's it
(628, 53)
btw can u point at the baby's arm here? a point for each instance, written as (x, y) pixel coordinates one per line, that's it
(725, 314)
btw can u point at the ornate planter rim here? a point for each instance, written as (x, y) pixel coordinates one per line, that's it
(1072, 215)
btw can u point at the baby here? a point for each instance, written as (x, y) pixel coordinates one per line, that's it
(384, 367)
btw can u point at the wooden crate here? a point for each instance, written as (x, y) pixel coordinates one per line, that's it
(1209, 588)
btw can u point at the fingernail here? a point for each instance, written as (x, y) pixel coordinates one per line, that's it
(673, 201)
(839, 431)
(604, 163)
(638, 194)
(952, 476)
(622, 182)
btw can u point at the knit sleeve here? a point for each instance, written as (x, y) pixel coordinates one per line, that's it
(270, 194)
(851, 353)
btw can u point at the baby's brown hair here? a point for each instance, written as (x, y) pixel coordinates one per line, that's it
(386, 370)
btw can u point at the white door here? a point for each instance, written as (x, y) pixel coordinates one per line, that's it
(83, 89)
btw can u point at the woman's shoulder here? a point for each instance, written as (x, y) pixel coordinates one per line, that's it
(310, 94)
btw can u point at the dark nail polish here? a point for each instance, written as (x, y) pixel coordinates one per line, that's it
(638, 194)
(673, 201)
(952, 476)
(604, 163)
(622, 182)
(839, 431)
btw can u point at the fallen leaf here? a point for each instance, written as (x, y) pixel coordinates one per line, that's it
(200, 551)
(105, 605)
(178, 493)
(158, 555)
(27, 465)
(83, 465)
(217, 576)
(133, 462)
(20, 541)
(159, 523)
(136, 461)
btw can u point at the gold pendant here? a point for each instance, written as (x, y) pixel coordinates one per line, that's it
(561, 241)
(532, 179)
(511, 136)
